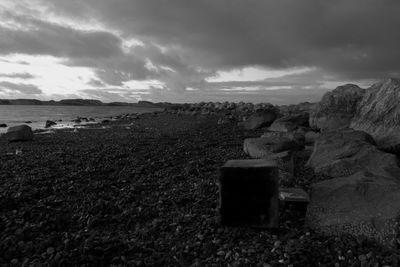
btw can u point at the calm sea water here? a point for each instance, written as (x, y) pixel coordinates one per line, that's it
(16, 114)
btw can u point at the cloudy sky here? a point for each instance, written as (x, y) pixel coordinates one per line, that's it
(283, 51)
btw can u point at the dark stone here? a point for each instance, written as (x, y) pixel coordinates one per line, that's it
(3, 125)
(259, 120)
(295, 198)
(290, 123)
(364, 204)
(19, 133)
(49, 124)
(249, 193)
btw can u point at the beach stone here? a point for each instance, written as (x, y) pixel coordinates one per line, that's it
(289, 123)
(19, 133)
(344, 153)
(379, 112)
(259, 120)
(294, 197)
(49, 124)
(362, 204)
(336, 108)
(248, 193)
(3, 125)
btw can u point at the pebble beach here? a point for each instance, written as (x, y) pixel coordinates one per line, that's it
(143, 192)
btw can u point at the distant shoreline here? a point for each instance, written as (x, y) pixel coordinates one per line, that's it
(76, 102)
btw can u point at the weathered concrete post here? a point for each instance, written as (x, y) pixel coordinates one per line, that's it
(249, 193)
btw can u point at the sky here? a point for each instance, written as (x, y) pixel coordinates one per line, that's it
(282, 52)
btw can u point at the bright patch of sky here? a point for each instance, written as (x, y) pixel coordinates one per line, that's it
(254, 74)
(50, 75)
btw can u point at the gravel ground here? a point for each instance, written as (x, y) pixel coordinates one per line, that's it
(144, 192)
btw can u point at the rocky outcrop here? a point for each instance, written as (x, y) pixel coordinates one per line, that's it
(260, 120)
(19, 133)
(290, 123)
(337, 108)
(363, 204)
(379, 113)
(338, 154)
(3, 125)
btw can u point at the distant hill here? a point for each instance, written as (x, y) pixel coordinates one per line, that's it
(76, 102)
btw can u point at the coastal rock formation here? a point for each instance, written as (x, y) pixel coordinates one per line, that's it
(290, 122)
(363, 204)
(336, 108)
(379, 113)
(19, 133)
(259, 120)
(311, 137)
(338, 154)
(3, 125)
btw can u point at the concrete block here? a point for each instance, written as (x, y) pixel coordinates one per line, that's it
(249, 193)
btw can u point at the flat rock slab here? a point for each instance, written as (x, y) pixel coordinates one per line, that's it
(364, 204)
(344, 153)
(293, 197)
(249, 193)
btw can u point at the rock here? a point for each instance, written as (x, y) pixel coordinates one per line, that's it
(259, 120)
(289, 123)
(311, 137)
(294, 197)
(249, 193)
(3, 125)
(28, 122)
(270, 143)
(49, 124)
(336, 108)
(363, 204)
(379, 113)
(344, 153)
(19, 133)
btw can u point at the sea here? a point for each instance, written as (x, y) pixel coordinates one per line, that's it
(36, 115)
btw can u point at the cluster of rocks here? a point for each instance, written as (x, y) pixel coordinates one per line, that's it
(226, 110)
(352, 137)
(358, 129)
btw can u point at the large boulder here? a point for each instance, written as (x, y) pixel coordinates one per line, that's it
(269, 144)
(364, 204)
(336, 108)
(259, 120)
(379, 113)
(290, 123)
(344, 153)
(19, 133)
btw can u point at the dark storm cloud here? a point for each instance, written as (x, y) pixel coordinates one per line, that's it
(353, 39)
(26, 89)
(45, 38)
(17, 75)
